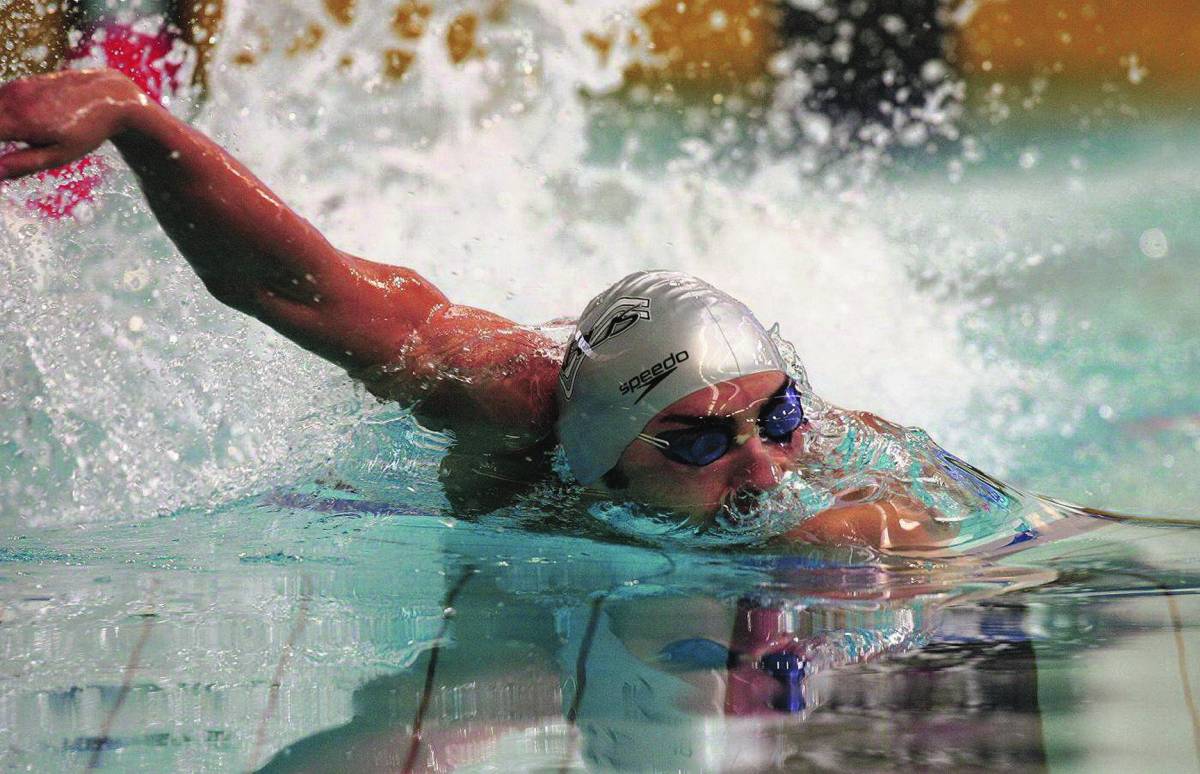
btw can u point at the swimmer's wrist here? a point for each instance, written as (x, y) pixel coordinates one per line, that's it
(144, 131)
(116, 99)
(135, 115)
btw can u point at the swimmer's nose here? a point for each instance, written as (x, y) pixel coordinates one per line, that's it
(757, 469)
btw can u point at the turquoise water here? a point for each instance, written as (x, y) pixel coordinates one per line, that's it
(218, 554)
(295, 627)
(305, 636)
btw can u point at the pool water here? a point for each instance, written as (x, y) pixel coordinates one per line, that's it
(306, 638)
(217, 553)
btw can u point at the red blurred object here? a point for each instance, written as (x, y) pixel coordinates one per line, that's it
(145, 59)
(74, 184)
(141, 56)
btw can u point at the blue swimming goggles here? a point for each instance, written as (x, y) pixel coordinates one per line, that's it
(713, 437)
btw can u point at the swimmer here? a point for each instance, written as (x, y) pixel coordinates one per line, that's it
(671, 394)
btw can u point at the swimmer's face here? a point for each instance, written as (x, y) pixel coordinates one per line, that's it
(753, 464)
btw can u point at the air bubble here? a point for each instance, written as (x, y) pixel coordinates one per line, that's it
(1153, 243)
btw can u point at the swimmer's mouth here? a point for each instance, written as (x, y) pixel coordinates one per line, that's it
(740, 506)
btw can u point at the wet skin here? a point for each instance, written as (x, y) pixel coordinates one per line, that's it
(756, 464)
(753, 464)
(458, 367)
(486, 379)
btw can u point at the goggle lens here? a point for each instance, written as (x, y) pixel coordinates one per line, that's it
(700, 446)
(694, 446)
(783, 416)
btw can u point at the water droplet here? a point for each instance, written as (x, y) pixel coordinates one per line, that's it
(1153, 243)
(1136, 72)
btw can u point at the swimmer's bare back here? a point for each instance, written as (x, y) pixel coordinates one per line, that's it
(460, 368)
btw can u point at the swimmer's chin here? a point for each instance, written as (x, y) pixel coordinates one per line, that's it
(698, 516)
(701, 515)
(736, 508)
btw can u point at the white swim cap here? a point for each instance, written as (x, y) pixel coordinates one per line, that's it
(647, 341)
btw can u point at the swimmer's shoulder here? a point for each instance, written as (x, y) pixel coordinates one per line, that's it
(495, 392)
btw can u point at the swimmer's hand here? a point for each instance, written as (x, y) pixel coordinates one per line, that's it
(62, 117)
(463, 369)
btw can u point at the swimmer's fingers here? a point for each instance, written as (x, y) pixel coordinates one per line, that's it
(23, 107)
(73, 109)
(26, 161)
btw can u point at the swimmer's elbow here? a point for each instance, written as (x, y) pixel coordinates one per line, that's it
(231, 293)
(254, 296)
(258, 301)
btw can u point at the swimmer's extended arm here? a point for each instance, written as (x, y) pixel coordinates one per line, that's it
(383, 323)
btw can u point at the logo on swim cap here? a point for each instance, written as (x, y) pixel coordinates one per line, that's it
(620, 316)
(722, 340)
(654, 375)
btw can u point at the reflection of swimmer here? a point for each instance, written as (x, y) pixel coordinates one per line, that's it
(633, 680)
(671, 393)
(144, 39)
(771, 662)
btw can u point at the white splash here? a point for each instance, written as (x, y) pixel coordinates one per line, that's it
(479, 175)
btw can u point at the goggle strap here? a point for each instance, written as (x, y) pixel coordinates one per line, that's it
(660, 443)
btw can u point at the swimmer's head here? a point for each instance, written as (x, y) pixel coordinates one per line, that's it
(663, 350)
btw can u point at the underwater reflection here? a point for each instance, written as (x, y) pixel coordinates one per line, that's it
(777, 668)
